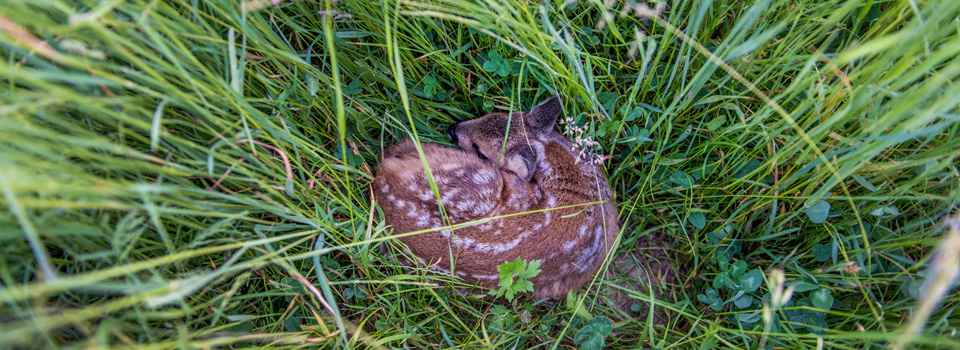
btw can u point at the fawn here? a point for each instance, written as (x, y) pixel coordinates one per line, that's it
(504, 165)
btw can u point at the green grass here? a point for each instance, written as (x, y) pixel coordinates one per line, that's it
(184, 174)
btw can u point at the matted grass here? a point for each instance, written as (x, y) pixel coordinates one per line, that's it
(193, 174)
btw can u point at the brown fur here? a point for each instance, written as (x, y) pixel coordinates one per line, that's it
(536, 172)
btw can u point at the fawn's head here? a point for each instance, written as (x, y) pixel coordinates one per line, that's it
(509, 140)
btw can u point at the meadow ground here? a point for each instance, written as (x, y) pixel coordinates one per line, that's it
(195, 174)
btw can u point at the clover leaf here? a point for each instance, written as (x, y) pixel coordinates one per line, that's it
(496, 64)
(752, 280)
(818, 211)
(592, 335)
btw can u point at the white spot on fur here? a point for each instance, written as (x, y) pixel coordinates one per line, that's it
(464, 242)
(583, 230)
(568, 246)
(538, 227)
(598, 239)
(423, 220)
(545, 168)
(464, 205)
(500, 248)
(589, 256)
(401, 204)
(486, 277)
(552, 201)
(392, 197)
(449, 194)
(484, 247)
(483, 177)
(413, 213)
(385, 188)
(593, 260)
(582, 263)
(483, 208)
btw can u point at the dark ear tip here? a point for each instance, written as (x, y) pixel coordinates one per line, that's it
(551, 105)
(544, 115)
(555, 99)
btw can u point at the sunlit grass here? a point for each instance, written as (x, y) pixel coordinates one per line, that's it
(190, 174)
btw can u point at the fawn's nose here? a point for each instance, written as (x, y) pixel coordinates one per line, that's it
(452, 133)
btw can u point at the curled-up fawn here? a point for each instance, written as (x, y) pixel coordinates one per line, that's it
(545, 204)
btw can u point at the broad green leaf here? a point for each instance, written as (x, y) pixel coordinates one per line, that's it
(817, 325)
(863, 182)
(704, 299)
(748, 168)
(531, 270)
(720, 280)
(804, 286)
(744, 301)
(583, 334)
(353, 88)
(885, 211)
(752, 280)
(822, 298)
(520, 268)
(682, 179)
(292, 324)
(749, 317)
(589, 338)
(737, 269)
(429, 86)
(601, 324)
(818, 211)
(716, 122)
(717, 305)
(821, 252)
(697, 219)
(909, 290)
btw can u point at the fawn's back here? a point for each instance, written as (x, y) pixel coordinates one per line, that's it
(530, 171)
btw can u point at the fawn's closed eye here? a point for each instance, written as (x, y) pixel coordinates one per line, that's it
(476, 149)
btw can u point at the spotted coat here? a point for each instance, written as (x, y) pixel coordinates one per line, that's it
(529, 198)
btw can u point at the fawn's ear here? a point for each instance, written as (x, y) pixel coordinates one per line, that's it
(544, 115)
(521, 161)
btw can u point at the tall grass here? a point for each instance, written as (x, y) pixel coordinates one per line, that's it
(185, 173)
